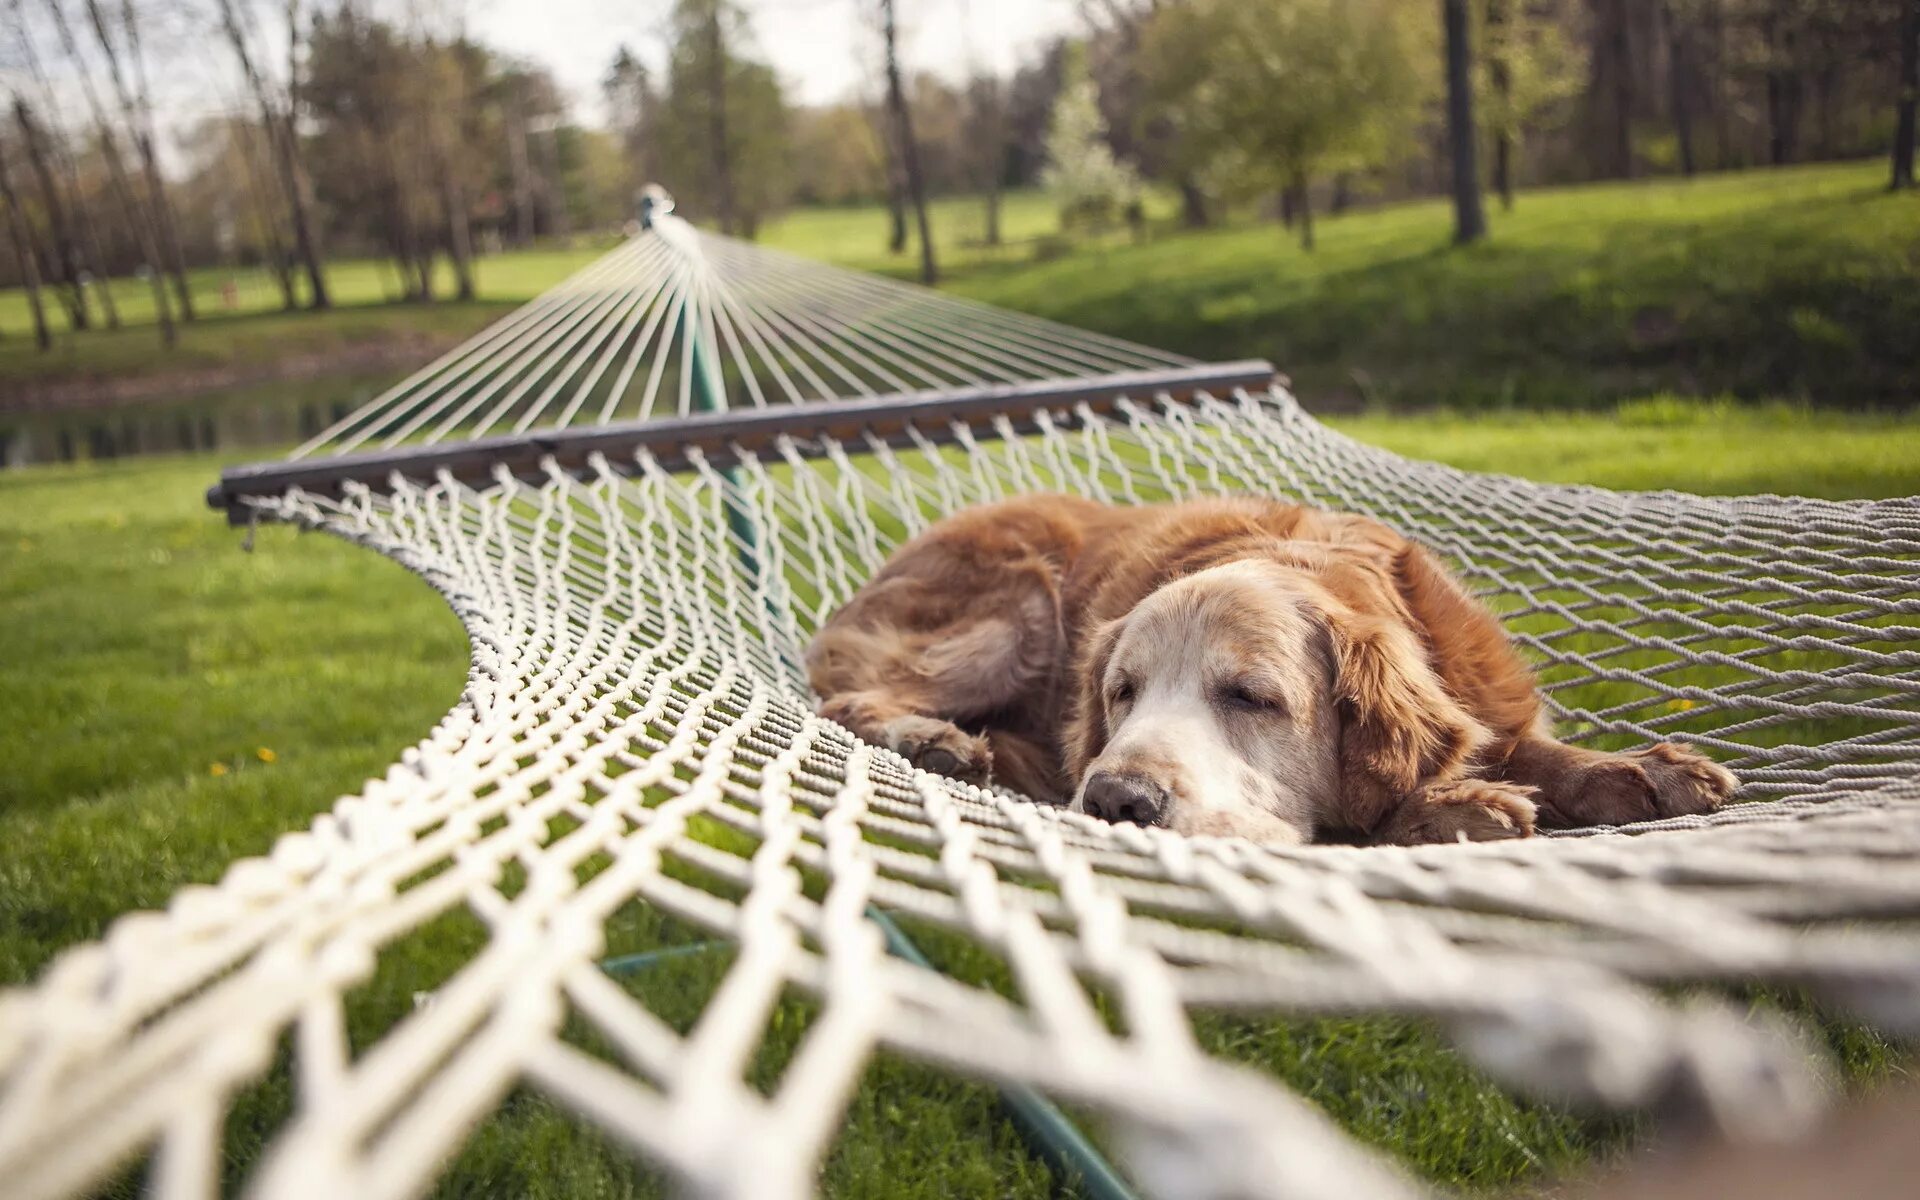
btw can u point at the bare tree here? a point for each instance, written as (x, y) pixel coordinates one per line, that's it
(64, 263)
(260, 189)
(132, 93)
(138, 215)
(1469, 218)
(1909, 95)
(283, 139)
(909, 151)
(93, 260)
(23, 250)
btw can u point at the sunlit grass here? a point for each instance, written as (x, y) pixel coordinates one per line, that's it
(169, 704)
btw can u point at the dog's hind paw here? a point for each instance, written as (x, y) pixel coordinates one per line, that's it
(940, 747)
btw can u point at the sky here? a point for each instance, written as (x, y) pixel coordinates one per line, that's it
(824, 50)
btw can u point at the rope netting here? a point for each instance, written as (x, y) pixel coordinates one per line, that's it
(636, 729)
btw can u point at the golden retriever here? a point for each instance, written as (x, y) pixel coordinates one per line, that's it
(1232, 666)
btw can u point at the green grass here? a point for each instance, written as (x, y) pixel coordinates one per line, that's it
(1795, 283)
(256, 330)
(146, 663)
(1798, 283)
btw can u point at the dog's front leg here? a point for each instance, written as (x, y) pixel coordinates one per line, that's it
(928, 742)
(1459, 810)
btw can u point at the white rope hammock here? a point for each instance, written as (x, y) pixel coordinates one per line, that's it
(636, 727)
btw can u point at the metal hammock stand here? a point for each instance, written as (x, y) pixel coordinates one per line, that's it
(638, 581)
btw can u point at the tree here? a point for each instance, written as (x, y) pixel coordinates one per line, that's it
(1141, 132)
(1612, 82)
(1089, 185)
(987, 127)
(753, 140)
(23, 252)
(902, 128)
(1531, 66)
(134, 96)
(1679, 83)
(837, 156)
(1907, 96)
(92, 259)
(1469, 218)
(279, 121)
(65, 261)
(1311, 86)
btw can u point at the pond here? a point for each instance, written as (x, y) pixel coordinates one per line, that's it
(266, 415)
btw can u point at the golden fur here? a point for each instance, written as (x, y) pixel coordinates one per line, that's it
(1220, 666)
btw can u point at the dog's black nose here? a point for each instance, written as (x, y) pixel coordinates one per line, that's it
(1127, 798)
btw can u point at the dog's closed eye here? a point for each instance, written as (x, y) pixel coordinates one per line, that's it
(1242, 694)
(1120, 691)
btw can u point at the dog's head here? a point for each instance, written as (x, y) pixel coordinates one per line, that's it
(1243, 699)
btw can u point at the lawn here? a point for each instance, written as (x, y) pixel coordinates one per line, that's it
(1794, 283)
(169, 703)
(254, 329)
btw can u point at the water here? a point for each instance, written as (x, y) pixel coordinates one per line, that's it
(265, 416)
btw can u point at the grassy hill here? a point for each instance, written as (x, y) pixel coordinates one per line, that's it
(1795, 283)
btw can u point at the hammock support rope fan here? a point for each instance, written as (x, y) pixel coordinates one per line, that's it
(638, 578)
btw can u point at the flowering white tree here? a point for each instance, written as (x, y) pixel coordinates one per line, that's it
(1090, 185)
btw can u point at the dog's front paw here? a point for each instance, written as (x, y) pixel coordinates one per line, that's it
(1684, 783)
(1465, 810)
(1663, 780)
(940, 747)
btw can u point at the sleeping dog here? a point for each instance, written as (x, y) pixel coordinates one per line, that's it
(1234, 666)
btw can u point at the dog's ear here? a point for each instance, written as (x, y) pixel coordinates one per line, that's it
(1086, 729)
(1401, 725)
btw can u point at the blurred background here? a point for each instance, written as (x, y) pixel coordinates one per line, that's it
(1667, 197)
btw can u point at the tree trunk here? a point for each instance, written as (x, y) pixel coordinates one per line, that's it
(992, 133)
(133, 113)
(459, 234)
(722, 161)
(1342, 192)
(91, 256)
(1469, 218)
(896, 206)
(1500, 78)
(522, 167)
(909, 151)
(23, 250)
(1783, 93)
(1679, 85)
(257, 188)
(1303, 209)
(284, 142)
(1193, 204)
(65, 263)
(1620, 35)
(1909, 95)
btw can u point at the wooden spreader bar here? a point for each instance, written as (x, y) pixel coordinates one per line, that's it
(720, 436)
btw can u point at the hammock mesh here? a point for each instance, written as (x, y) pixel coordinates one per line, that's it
(636, 726)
